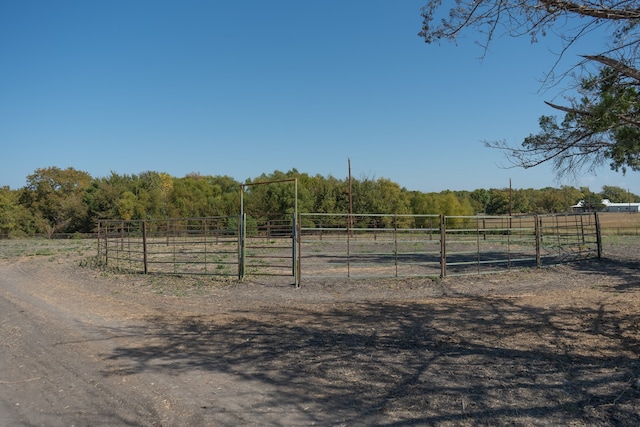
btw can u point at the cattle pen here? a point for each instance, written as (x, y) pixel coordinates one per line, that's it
(315, 245)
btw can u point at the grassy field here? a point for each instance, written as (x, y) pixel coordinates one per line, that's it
(619, 223)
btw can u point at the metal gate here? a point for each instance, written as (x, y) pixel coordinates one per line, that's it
(268, 243)
(268, 246)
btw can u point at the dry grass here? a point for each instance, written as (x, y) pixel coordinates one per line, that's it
(619, 223)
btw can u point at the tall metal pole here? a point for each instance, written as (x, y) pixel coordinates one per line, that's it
(294, 237)
(241, 236)
(510, 197)
(510, 206)
(350, 198)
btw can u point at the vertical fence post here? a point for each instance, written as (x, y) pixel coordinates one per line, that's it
(174, 235)
(484, 228)
(144, 246)
(205, 231)
(395, 241)
(443, 247)
(99, 247)
(538, 236)
(509, 232)
(242, 222)
(119, 244)
(106, 245)
(557, 230)
(295, 251)
(478, 243)
(598, 234)
(349, 226)
(122, 235)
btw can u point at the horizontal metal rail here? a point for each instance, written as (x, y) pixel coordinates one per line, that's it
(349, 246)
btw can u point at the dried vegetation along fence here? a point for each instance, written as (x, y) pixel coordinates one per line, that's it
(350, 246)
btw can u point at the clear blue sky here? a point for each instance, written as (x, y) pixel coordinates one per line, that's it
(241, 88)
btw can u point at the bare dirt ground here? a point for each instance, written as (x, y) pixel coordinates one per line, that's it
(548, 347)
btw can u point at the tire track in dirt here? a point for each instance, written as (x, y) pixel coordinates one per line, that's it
(50, 373)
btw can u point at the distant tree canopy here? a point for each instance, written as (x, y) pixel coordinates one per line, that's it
(591, 202)
(602, 117)
(54, 197)
(68, 200)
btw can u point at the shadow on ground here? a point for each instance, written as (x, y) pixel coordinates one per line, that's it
(625, 271)
(452, 361)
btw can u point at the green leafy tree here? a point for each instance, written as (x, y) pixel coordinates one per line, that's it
(481, 198)
(309, 190)
(448, 204)
(591, 202)
(324, 192)
(150, 189)
(195, 196)
(523, 201)
(423, 204)
(227, 190)
(380, 196)
(103, 195)
(451, 205)
(128, 206)
(8, 211)
(553, 200)
(55, 198)
(571, 195)
(499, 202)
(268, 196)
(616, 194)
(198, 195)
(273, 196)
(602, 122)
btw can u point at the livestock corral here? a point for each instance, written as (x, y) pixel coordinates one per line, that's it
(548, 345)
(348, 246)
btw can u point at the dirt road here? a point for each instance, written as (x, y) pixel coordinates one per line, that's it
(81, 347)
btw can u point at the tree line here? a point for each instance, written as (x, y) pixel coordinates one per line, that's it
(56, 200)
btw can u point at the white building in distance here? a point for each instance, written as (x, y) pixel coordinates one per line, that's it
(610, 206)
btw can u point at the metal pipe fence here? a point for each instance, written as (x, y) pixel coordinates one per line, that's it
(439, 246)
(489, 244)
(173, 246)
(317, 245)
(333, 245)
